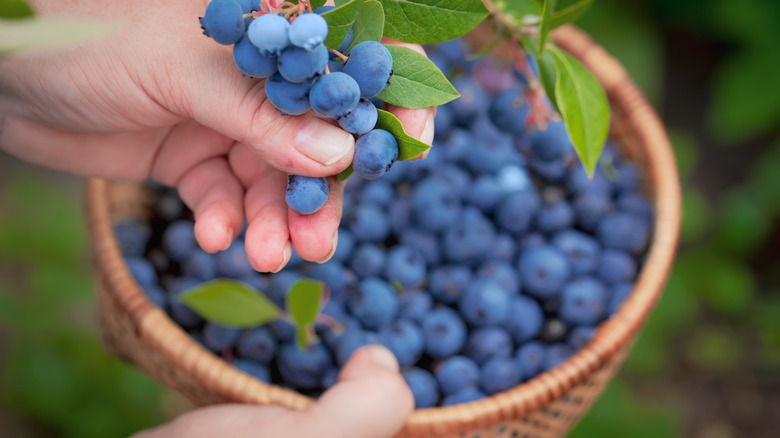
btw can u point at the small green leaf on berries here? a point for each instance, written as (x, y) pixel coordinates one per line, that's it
(15, 9)
(583, 106)
(408, 147)
(416, 82)
(369, 23)
(317, 3)
(346, 173)
(548, 74)
(570, 13)
(431, 21)
(340, 21)
(544, 27)
(231, 303)
(303, 301)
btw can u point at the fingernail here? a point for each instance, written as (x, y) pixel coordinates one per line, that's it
(334, 243)
(286, 254)
(381, 356)
(427, 133)
(229, 239)
(323, 142)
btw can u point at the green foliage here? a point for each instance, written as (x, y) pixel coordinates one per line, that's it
(303, 305)
(431, 21)
(230, 303)
(416, 82)
(15, 9)
(340, 21)
(570, 13)
(369, 23)
(317, 3)
(408, 147)
(546, 24)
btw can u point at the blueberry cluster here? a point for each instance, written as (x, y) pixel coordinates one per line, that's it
(489, 262)
(302, 75)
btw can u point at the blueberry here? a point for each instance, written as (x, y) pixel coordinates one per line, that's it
(493, 77)
(510, 110)
(628, 178)
(491, 155)
(550, 171)
(456, 373)
(435, 204)
(530, 241)
(582, 249)
(251, 62)
(280, 285)
(616, 266)
(405, 265)
(444, 332)
(156, 295)
(443, 120)
(132, 237)
(223, 21)
(425, 242)
(233, 262)
(377, 191)
(308, 31)
(287, 97)
(351, 340)
(624, 231)
(178, 240)
(499, 374)
(525, 319)
(258, 344)
(405, 340)
(375, 305)
(471, 103)
(557, 354)
(488, 342)
(248, 6)
(619, 293)
(544, 270)
(505, 248)
(369, 223)
(514, 178)
(332, 273)
(583, 302)
(299, 65)
(580, 336)
(346, 243)
(502, 273)
(334, 66)
(485, 193)
(329, 378)
(590, 207)
(397, 173)
(530, 358)
(465, 395)
(470, 239)
(142, 271)
(448, 283)
(375, 152)
(635, 204)
(303, 368)
(368, 260)
(200, 265)
(485, 303)
(423, 386)
(555, 216)
(517, 211)
(306, 195)
(254, 369)
(283, 331)
(552, 143)
(415, 305)
(334, 95)
(180, 312)
(218, 337)
(269, 33)
(453, 51)
(457, 144)
(371, 65)
(578, 182)
(361, 119)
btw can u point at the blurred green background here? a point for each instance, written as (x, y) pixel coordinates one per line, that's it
(706, 365)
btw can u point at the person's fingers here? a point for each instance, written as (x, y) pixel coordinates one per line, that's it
(315, 235)
(371, 400)
(268, 244)
(216, 198)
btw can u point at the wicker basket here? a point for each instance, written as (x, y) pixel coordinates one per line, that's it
(547, 406)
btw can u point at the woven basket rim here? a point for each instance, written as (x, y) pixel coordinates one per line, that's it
(612, 335)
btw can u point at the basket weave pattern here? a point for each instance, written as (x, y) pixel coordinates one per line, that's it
(546, 406)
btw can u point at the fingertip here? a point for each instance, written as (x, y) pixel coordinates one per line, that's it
(213, 229)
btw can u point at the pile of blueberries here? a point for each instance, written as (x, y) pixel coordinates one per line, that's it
(302, 75)
(489, 262)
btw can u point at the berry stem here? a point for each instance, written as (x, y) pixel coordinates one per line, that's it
(341, 56)
(329, 321)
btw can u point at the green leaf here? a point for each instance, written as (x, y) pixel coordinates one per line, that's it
(416, 81)
(584, 108)
(341, 2)
(318, 3)
(303, 301)
(346, 173)
(570, 13)
(408, 147)
(431, 21)
(369, 23)
(230, 303)
(548, 75)
(520, 11)
(301, 337)
(15, 9)
(45, 33)
(340, 21)
(544, 27)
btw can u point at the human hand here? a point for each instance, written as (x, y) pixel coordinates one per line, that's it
(158, 99)
(371, 400)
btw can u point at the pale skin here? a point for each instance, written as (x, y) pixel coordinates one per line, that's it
(156, 99)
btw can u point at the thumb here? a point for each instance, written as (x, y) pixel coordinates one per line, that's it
(371, 400)
(238, 108)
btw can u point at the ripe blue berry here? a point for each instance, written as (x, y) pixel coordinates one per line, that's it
(423, 386)
(580, 336)
(361, 119)
(456, 373)
(525, 320)
(448, 283)
(488, 342)
(300, 65)
(308, 31)
(178, 240)
(257, 344)
(444, 332)
(435, 204)
(251, 62)
(368, 260)
(582, 249)
(624, 231)
(351, 340)
(470, 239)
(371, 65)
(616, 266)
(303, 368)
(544, 270)
(287, 97)
(200, 265)
(405, 340)
(552, 143)
(142, 271)
(269, 33)
(415, 305)
(132, 237)
(306, 195)
(220, 338)
(223, 21)
(369, 223)
(509, 111)
(485, 303)
(557, 354)
(375, 304)
(375, 153)
(583, 302)
(406, 265)
(517, 211)
(530, 358)
(499, 374)
(254, 369)
(465, 395)
(334, 95)
(233, 262)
